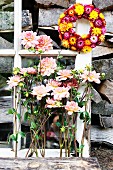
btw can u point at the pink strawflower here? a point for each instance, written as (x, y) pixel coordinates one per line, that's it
(80, 44)
(51, 103)
(94, 39)
(52, 84)
(103, 30)
(98, 23)
(47, 66)
(14, 81)
(60, 92)
(29, 39)
(66, 35)
(40, 91)
(88, 8)
(64, 75)
(44, 43)
(90, 76)
(71, 107)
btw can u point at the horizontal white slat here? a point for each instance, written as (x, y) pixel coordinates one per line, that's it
(50, 53)
(7, 52)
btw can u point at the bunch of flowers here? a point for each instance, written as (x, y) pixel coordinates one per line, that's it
(81, 43)
(49, 88)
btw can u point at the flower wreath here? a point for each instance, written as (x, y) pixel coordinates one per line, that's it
(81, 43)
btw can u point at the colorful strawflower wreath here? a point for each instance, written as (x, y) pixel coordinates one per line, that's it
(81, 43)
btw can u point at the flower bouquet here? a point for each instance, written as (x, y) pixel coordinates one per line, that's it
(48, 88)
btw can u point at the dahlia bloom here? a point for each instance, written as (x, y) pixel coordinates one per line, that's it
(51, 103)
(64, 75)
(90, 76)
(44, 43)
(52, 84)
(60, 92)
(47, 66)
(29, 39)
(14, 81)
(29, 70)
(71, 107)
(40, 91)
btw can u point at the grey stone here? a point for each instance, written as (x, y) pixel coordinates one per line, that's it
(6, 64)
(104, 66)
(102, 108)
(96, 96)
(49, 17)
(103, 4)
(48, 3)
(106, 122)
(4, 44)
(7, 20)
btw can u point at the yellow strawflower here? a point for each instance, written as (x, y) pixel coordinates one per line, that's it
(72, 40)
(65, 43)
(79, 9)
(101, 16)
(86, 49)
(62, 15)
(102, 38)
(96, 31)
(93, 15)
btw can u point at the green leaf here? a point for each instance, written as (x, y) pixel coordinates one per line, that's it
(33, 125)
(59, 56)
(13, 137)
(11, 111)
(22, 134)
(18, 116)
(58, 124)
(26, 116)
(37, 137)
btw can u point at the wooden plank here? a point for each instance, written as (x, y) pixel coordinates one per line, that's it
(50, 163)
(50, 53)
(7, 52)
(83, 27)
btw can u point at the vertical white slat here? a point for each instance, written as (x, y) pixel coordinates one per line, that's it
(17, 58)
(82, 27)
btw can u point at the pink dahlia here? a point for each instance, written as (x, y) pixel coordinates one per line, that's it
(71, 107)
(40, 91)
(52, 84)
(44, 43)
(29, 39)
(47, 66)
(64, 75)
(14, 81)
(60, 92)
(91, 76)
(51, 103)
(29, 70)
